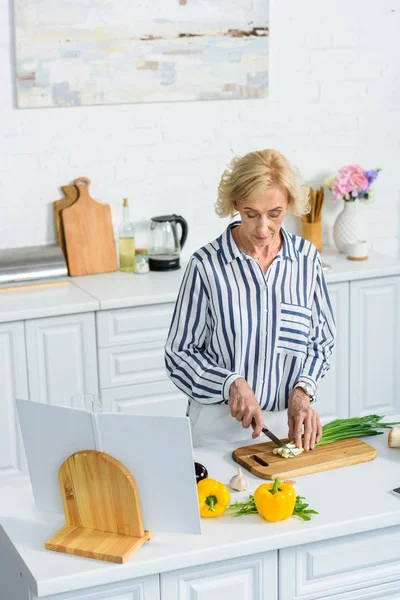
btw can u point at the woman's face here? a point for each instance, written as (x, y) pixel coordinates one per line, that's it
(262, 217)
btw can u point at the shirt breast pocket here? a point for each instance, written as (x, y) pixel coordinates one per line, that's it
(294, 329)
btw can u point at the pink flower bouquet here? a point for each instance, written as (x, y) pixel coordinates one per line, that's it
(351, 183)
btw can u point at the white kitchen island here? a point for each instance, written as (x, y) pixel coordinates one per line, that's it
(351, 550)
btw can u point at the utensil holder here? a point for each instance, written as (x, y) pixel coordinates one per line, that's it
(313, 233)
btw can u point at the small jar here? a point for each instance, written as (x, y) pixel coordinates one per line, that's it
(142, 261)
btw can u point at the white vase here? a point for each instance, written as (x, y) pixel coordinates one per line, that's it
(349, 225)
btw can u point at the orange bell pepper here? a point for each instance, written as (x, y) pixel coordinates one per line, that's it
(213, 498)
(275, 501)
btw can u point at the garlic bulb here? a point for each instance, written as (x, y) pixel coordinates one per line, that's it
(239, 482)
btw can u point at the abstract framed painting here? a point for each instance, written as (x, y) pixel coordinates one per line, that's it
(88, 52)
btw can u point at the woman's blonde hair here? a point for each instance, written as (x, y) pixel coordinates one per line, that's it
(255, 172)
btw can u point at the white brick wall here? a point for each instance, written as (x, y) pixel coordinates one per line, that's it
(334, 99)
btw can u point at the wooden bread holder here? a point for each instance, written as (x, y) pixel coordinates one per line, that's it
(101, 508)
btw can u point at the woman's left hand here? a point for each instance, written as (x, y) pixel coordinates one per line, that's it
(301, 414)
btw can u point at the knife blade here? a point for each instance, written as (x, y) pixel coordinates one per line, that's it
(276, 440)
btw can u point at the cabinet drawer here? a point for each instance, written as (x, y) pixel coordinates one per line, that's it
(341, 566)
(160, 398)
(247, 578)
(145, 588)
(126, 365)
(134, 325)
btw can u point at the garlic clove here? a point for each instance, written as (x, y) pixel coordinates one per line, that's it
(394, 437)
(239, 482)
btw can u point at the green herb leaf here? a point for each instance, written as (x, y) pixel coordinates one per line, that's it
(301, 509)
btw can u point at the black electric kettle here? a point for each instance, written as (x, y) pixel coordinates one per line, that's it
(166, 245)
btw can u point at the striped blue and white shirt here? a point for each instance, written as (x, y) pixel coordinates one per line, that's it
(231, 321)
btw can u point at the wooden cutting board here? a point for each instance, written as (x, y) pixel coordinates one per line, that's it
(259, 459)
(71, 196)
(89, 234)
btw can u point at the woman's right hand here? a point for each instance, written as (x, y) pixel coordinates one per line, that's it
(244, 406)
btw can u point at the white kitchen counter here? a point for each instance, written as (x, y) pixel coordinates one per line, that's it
(349, 500)
(124, 290)
(48, 302)
(343, 269)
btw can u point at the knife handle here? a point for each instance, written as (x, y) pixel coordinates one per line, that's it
(254, 424)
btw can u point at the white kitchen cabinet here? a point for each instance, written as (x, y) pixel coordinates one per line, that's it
(144, 588)
(132, 370)
(366, 565)
(333, 389)
(62, 357)
(375, 346)
(247, 578)
(14, 384)
(155, 398)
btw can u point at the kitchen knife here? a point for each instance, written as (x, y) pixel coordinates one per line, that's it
(276, 440)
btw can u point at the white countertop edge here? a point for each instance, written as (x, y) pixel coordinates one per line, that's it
(118, 290)
(54, 311)
(248, 547)
(139, 301)
(388, 271)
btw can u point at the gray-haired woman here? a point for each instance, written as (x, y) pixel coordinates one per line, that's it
(253, 327)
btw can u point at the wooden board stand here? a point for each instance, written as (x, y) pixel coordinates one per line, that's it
(260, 460)
(101, 508)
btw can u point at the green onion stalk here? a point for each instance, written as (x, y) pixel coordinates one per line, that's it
(355, 427)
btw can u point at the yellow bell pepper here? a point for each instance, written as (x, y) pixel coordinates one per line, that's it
(213, 498)
(275, 501)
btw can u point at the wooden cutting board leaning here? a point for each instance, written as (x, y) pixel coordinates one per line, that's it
(89, 236)
(71, 195)
(260, 460)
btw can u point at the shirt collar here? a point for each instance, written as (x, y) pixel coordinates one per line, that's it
(230, 251)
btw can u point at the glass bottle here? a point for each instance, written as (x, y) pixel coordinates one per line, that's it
(126, 238)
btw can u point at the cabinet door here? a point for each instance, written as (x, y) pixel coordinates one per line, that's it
(364, 565)
(248, 578)
(62, 358)
(333, 389)
(375, 346)
(160, 398)
(14, 384)
(144, 588)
